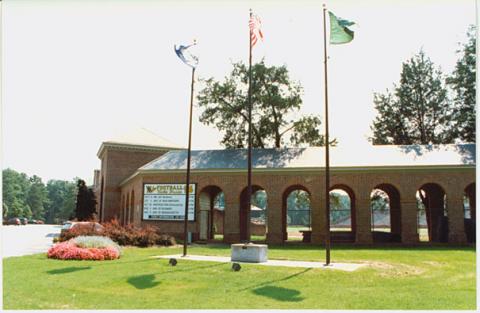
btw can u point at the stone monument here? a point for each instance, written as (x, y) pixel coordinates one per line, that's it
(249, 252)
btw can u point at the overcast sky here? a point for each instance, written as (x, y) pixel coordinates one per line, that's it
(76, 73)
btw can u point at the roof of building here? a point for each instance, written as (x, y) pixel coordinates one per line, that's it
(314, 157)
(139, 138)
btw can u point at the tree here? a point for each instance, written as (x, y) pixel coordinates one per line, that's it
(298, 208)
(259, 199)
(298, 200)
(462, 81)
(69, 204)
(62, 197)
(85, 207)
(418, 111)
(340, 207)
(274, 98)
(15, 189)
(25, 196)
(37, 197)
(4, 210)
(379, 201)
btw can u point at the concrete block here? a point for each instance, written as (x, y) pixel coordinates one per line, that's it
(249, 253)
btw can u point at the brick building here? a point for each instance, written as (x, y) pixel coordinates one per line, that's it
(442, 177)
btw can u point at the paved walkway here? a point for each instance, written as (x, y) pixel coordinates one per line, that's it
(348, 267)
(27, 239)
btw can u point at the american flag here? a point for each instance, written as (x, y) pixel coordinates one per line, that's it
(255, 32)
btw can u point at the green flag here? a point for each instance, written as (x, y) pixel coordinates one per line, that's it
(339, 33)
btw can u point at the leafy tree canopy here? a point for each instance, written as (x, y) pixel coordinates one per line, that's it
(274, 100)
(85, 207)
(462, 81)
(418, 111)
(62, 198)
(15, 190)
(25, 196)
(37, 197)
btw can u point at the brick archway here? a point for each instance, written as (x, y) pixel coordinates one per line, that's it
(100, 213)
(127, 209)
(132, 208)
(123, 207)
(346, 236)
(470, 194)
(207, 216)
(244, 214)
(395, 212)
(470, 223)
(285, 195)
(432, 196)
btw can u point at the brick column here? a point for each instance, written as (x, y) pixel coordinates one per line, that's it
(456, 227)
(408, 215)
(363, 218)
(231, 229)
(318, 222)
(274, 216)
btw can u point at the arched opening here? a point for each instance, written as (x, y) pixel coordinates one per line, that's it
(432, 221)
(296, 214)
(211, 215)
(127, 209)
(386, 214)
(342, 214)
(253, 220)
(218, 217)
(122, 210)
(132, 208)
(469, 208)
(101, 201)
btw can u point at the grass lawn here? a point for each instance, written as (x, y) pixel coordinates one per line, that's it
(397, 278)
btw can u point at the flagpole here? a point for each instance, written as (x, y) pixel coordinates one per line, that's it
(249, 179)
(187, 191)
(327, 155)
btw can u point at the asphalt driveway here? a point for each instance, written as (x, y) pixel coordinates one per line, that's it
(27, 239)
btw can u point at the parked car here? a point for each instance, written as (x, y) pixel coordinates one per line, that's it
(23, 220)
(32, 221)
(71, 225)
(39, 222)
(14, 221)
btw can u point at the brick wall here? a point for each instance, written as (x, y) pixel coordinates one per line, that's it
(117, 165)
(275, 184)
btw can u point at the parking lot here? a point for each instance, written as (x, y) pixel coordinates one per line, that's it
(27, 239)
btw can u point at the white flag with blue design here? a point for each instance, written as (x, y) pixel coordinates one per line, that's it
(186, 56)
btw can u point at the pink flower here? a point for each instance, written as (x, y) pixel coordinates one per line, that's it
(69, 251)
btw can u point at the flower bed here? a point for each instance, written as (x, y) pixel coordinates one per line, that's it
(85, 248)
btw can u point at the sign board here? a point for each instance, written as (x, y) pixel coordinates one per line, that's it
(166, 202)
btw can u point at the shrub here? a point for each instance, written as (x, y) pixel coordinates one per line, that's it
(145, 237)
(131, 235)
(135, 236)
(128, 235)
(166, 240)
(70, 250)
(118, 233)
(80, 230)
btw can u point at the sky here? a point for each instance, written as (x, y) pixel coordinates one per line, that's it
(77, 73)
